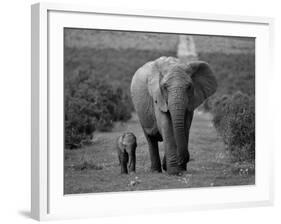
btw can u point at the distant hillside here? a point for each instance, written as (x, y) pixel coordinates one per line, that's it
(121, 40)
(222, 44)
(101, 39)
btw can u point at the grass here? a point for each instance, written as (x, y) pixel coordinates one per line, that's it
(210, 164)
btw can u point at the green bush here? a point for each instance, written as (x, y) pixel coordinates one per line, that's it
(91, 104)
(234, 119)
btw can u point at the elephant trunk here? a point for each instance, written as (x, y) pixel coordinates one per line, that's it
(178, 107)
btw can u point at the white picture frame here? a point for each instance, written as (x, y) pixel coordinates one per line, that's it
(48, 201)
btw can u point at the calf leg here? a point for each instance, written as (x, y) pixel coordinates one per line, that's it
(123, 157)
(132, 162)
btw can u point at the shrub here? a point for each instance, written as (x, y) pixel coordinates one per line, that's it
(233, 104)
(234, 119)
(91, 104)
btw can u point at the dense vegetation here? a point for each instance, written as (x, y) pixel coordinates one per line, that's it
(233, 105)
(116, 66)
(97, 83)
(234, 119)
(91, 103)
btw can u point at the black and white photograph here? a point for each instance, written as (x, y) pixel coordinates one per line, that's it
(140, 112)
(155, 111)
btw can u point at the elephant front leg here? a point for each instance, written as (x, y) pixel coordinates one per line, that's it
(154, 154)
(123, 157)
(188, 122)
(170, 157)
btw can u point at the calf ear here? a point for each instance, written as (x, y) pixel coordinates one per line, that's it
(120, 144)
(154, 88)
(204, 81)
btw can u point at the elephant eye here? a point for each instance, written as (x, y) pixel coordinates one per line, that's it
(189, 87)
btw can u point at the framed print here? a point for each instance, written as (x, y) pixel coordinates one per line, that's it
(166, 109)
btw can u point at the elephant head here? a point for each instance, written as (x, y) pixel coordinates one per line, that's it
(177, 89)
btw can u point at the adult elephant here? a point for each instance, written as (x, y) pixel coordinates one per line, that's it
(165, 93)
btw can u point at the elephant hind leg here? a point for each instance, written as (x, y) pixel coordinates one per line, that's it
(154, 154)
(132, 162)
(164, 163)
(124, 161)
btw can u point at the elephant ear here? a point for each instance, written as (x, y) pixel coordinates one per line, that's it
(154, 88)
(204, 82)
(121, 146)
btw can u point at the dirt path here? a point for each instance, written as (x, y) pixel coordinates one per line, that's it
(95, 168)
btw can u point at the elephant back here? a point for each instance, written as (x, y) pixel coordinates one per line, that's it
(141, 98)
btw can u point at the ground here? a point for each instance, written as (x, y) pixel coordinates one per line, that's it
(95, 168)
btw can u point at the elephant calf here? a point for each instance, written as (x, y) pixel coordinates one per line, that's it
(126, 149)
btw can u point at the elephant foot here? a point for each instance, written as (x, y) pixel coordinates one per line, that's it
(174, 171)
(182, 167)
(156, 167)
(124, 170)
(155, 170)
(164, 166)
